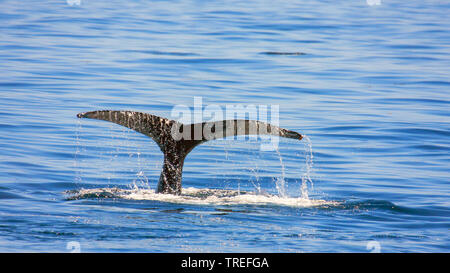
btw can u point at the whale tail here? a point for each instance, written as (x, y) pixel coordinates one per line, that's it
(176, 139)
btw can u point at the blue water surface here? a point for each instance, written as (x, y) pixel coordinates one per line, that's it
(368, 84)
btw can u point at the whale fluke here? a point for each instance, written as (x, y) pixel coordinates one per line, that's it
(176, 139)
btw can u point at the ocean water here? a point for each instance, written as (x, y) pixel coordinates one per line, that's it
(366, 81)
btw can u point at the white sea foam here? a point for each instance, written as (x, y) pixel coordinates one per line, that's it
(200, 197)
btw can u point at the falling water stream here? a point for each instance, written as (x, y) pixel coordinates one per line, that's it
(306, 176)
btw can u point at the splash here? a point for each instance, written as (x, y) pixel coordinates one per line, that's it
(140, 187)
(197, 196)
